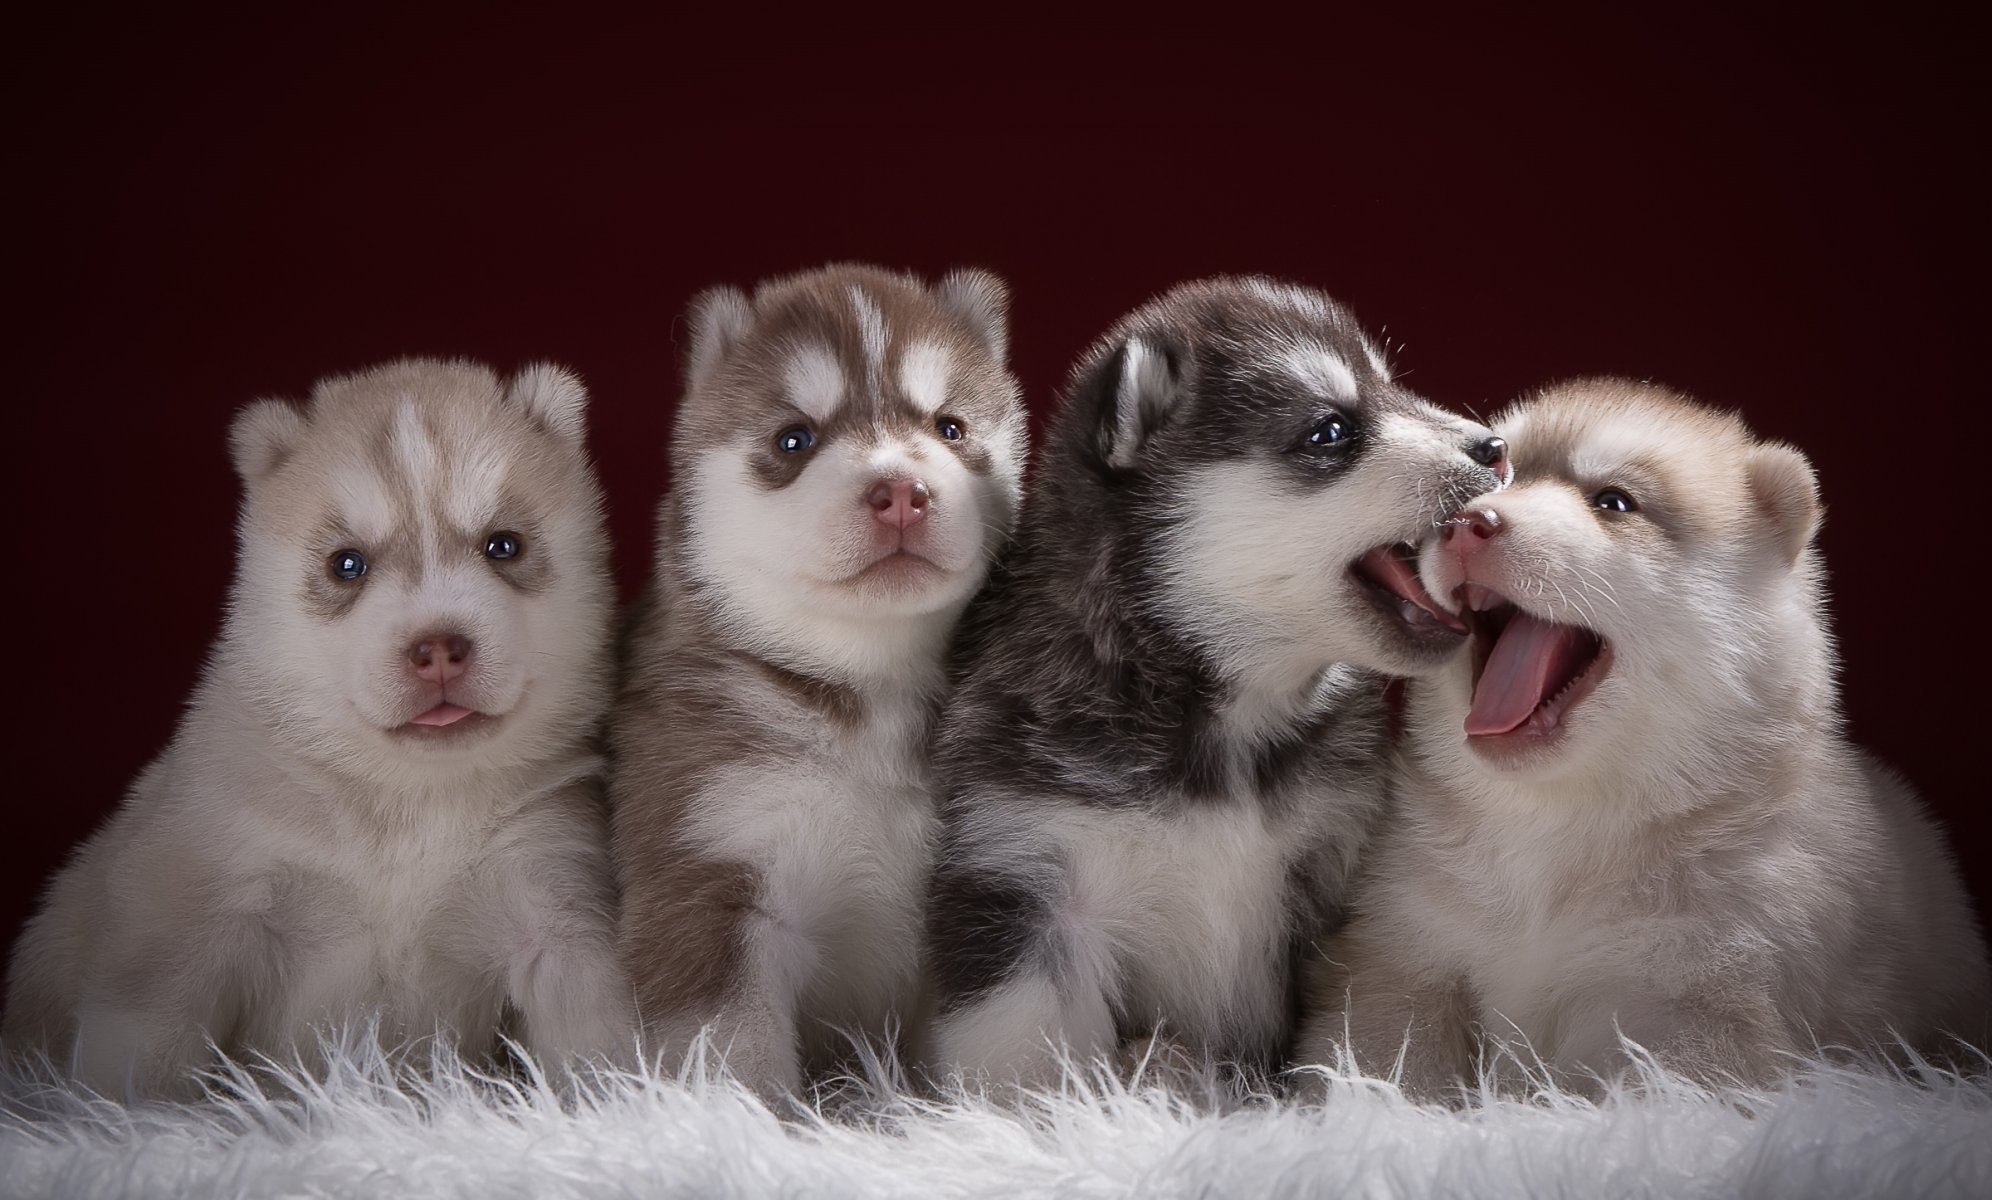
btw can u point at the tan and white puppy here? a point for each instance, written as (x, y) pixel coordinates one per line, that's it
(1630, 809)
(382, 801)
(847, 461)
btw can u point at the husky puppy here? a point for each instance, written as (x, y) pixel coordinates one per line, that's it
(847, 460)
(1630, 808)
(1165, 749)
(382, 802)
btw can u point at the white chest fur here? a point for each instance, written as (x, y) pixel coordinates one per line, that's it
(1184, 913)
(840, 834)
(376, 919)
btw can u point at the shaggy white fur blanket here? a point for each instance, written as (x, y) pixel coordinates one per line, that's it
(364, 1128)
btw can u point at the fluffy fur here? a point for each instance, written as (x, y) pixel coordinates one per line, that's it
(305, 851)
(1164, 752)
(1678, 843)
(848, 458)
(367, 1131)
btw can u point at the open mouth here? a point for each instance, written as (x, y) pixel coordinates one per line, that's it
(1528, 673)
(1390, 575)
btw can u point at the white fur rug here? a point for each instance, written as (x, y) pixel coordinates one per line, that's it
(361, 1131)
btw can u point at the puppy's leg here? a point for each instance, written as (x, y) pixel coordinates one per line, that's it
(42, 980)
(573, 996)
(555, 923)
(1017, 980)
(152, 1000)
(757, 1031)
(125, 1053)
(703, 952)
(1395, 1021)
(1013, 1032)
(1714, 1031)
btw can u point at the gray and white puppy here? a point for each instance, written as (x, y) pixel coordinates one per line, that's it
(382, 802)
(847, 461)
(1165, 750)
(1631, 809)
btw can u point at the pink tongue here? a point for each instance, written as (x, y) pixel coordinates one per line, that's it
(1397, 575)
(443, 714)
(1532, 660)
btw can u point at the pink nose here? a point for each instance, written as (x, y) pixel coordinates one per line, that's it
(440, 657)
(1471, 529)
(899, 502)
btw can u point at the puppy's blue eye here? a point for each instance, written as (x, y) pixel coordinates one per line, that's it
(950, 429)
(347, 564)
(1334, 430)
(795, 439)
(503, 544)
(1613, 500)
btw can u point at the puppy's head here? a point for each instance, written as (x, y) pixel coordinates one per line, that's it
(1250, 439)
(850, 450)
(1632, 591)
(423, 571)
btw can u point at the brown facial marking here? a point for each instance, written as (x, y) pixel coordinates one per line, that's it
(327, 597)
(533, 484)
(972, 449)
(774, 468)
(1696, 490)
(747, 396)
(351, 443)
(1643, 484)
(531, 570)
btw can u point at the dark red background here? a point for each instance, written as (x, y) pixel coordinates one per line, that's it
(1772, 214)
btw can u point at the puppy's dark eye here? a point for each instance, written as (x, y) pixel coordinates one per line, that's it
(503, 544)
(795, 439)
(347, 564)
(1332, 433)
(950, 429)
(1614, 500)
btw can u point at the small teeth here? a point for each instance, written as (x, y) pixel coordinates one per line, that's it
(1480, 598)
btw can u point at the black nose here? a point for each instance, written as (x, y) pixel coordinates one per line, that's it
(1488, 452)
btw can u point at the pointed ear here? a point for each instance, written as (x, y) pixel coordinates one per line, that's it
(554, 397)
(263, 436)
(719, 318)
(1140, 386)
(982, 302)
(1787, 494)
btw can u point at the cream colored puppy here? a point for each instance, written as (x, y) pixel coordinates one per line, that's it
(382, 802)
(1630, 809)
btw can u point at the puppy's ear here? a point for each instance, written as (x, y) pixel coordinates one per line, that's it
(1135, 390)
(719, 318)
(263, 436)
(1787, 495)
(982, 302)
(552, 396)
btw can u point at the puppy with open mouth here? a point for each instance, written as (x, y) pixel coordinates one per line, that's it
(1628, 807)
(384, 801)
(1165, 749)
